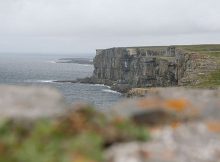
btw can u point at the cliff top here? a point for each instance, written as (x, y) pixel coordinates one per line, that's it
(191, 48)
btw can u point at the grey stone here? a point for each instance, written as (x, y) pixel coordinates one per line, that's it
(175, 103)
(192, 142)
(23, 102)
(196, 139)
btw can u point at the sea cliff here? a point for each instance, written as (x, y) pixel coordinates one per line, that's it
(132, 67)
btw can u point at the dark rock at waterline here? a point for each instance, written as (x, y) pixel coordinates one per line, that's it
(85, 61)
(122, 88)
(87, 80)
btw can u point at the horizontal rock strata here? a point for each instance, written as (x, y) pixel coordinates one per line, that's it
(150, 67)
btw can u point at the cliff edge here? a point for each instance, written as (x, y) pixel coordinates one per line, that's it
(130, 67)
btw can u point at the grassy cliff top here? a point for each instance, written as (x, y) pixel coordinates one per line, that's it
(210, 48)
(207, 49)
(212, 80)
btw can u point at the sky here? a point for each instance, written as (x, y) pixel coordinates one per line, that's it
(81, 26)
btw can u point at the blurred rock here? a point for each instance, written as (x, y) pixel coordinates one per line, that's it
(22, 102)
(165, 105)
(191, 142)
(184, 126)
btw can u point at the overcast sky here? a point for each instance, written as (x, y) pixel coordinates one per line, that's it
(81, 26)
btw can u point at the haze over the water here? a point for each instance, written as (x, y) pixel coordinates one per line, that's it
(81, 26)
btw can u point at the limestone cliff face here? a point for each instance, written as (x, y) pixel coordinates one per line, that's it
(146, 66)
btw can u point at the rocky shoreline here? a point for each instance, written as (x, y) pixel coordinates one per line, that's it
(121, 88)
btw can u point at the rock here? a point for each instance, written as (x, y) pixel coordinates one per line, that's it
(184, 125)
(192, 142)
(122, 88)
(86, 61)
(140, 92)
(165, 105)
(31, 103)
(121, 66)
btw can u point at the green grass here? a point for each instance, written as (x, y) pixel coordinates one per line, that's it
(210, 81)
(199, 48)
(210, 50)
(81, 136)
(215, 54)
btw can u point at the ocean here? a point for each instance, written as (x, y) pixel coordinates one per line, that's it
(42, 70)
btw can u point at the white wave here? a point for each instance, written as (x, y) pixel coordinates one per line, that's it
(97, 85)
(86, 64)
(101, 85)
(40, 81)
(110, 91)
(46, 81)
(52, 62)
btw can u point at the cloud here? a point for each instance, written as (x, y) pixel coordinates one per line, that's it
(101, 21)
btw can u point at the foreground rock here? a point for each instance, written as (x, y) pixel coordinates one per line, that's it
(191, 142)
(30, 103)
(184, 126)
(177, 102)
(38, 127)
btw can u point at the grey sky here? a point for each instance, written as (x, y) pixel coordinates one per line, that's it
(71, 26)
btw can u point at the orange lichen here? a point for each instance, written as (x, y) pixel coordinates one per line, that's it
(145, 103)
(178, 105)
(214, 126)
(175, 125)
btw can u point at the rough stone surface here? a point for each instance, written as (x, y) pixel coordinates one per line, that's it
(30, 102)
(192, 142)
(121, 67)
(178, 102)
(184, 125)
(146, 67)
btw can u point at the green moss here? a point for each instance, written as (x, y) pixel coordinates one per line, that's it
(130, 130)
(82, 134)
(88, 144)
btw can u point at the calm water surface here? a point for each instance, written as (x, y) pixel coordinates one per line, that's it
(40, 70)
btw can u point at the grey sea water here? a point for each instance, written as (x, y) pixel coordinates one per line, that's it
(41, 70)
